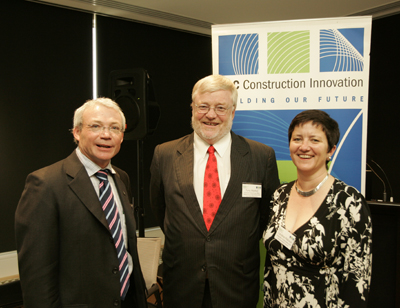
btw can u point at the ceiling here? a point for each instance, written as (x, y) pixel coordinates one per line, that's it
(198, 16)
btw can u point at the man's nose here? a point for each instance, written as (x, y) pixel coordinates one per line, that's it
(105, 132)
(211, 113)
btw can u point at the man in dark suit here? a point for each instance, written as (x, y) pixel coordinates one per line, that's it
(66, 253)
(211, 252)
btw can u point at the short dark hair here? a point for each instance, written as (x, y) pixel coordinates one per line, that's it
(318, 117)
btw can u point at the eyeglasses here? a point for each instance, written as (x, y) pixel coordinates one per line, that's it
(219, 110)
(96, 128)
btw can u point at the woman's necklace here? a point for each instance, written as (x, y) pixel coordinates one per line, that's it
(312, 191)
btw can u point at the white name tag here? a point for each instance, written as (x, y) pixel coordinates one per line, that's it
(251, 190)
(285, 237)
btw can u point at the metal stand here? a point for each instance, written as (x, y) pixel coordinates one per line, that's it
(139, 204)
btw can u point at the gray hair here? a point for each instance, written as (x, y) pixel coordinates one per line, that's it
(215, 83)
(106, 102)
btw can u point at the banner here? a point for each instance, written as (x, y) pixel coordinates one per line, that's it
(282, 68)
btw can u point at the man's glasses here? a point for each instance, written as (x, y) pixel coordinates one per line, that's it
(96, 128)
(219, 110)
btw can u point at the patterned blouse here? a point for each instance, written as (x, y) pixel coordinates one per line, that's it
(329, 263)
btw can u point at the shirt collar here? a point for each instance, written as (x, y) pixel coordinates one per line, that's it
(89, 165)
(220, 146)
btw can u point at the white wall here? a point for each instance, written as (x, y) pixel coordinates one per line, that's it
(155, 232)
(8, 264)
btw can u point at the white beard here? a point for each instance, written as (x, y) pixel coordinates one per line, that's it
(226, 128)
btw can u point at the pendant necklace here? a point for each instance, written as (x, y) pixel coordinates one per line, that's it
(312, 191)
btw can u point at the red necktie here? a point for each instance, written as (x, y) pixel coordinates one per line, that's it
(212, 191)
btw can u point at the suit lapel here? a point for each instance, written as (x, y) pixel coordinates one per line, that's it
(184, 172)
(82, 186)
(239, 170)
(126, 205)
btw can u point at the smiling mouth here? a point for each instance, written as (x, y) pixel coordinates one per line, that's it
(104, 146)
(305, 156)
(210, 123)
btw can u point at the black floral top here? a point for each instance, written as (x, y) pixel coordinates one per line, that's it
(329, 264)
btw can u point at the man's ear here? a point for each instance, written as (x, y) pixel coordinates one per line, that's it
(77, 133)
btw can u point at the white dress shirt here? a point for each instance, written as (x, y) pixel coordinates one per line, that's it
(223, 155)
(92, 169)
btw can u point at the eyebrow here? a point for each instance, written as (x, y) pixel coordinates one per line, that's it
(311, 136)
(206, 103)
(101, 122)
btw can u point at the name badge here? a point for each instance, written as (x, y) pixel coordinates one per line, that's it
(251, 190)
(285, 237)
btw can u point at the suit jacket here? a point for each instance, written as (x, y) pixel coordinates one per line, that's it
(229, 252)
(66, 253)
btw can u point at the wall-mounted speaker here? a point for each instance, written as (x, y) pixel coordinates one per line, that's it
(133, 91)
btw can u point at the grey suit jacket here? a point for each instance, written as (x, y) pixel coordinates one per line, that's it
(66, 254)
(228, 254)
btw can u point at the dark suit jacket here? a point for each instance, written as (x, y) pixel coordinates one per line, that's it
(229, 252)
(66, 254)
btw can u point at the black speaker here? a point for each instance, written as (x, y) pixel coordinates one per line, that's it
(132, 90)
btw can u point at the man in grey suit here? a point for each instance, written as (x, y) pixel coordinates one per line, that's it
(67, 255)
(212, 262)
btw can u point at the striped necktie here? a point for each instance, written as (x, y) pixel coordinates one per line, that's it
(111, 211)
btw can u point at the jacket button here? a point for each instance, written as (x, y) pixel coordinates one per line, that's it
(203, 268)
(208, 239)
(116, 303)
(115, 270)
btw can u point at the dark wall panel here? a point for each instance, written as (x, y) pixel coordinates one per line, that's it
(46, 73)
(384, 105)
(175, 61)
